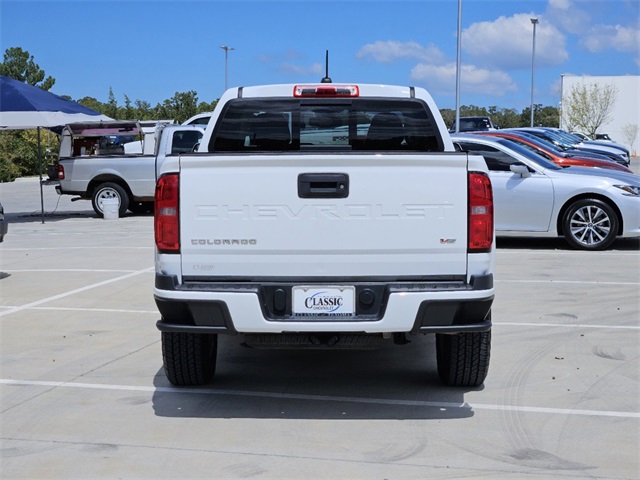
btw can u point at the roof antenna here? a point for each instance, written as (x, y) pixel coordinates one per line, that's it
(326, 78)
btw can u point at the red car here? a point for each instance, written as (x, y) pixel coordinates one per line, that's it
(550, 152)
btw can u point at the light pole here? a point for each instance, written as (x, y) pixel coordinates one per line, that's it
(226, 65)
(534, 21)
(458, 63)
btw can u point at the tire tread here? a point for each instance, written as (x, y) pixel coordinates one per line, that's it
(189, 359)
(463, 359)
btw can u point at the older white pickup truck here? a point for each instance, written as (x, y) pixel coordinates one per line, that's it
(95, 163)
(324, 216)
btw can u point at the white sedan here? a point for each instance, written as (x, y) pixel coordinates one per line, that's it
(590, 207)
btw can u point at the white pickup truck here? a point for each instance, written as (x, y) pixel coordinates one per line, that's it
(324, 216)
(95, 162)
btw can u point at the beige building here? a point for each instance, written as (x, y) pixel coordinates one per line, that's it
(626, 111)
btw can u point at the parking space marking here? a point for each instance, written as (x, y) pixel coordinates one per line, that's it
(566, 325)
(73, 292)
(80, 247)
(66, 270)
(325, 398)
(607, 253)
(575, 282)
(72, 309)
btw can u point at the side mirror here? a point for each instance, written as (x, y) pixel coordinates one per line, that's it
(195, 147)
(520, 169)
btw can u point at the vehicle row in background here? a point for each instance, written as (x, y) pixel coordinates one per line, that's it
(589, 207)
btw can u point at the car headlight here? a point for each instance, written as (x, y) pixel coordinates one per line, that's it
(633, 190)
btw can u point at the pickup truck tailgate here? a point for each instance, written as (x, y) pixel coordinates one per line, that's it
(245, 217)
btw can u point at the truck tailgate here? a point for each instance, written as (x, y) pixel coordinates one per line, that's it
(244, 217)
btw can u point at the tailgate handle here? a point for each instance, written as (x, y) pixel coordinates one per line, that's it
(323, 185)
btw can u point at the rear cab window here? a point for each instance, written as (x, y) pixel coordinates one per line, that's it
(183, 141)
(286, 124)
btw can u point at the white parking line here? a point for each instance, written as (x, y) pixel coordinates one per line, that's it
(66, 270)
(573, 282)
(73, 292)
(326, 398)
(606, 253)
(566, 325)
(74, 309)
(81, 247)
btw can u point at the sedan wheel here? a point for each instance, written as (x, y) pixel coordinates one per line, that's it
(590, 224)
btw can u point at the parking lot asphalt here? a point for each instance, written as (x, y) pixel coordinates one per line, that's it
(83, 394)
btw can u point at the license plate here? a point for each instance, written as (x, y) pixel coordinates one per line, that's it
(325, 300)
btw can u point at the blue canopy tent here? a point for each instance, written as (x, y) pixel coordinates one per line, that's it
(25, 107)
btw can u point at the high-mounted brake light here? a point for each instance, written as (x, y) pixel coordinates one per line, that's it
(166, 221)
(326, 90)
(480, 213)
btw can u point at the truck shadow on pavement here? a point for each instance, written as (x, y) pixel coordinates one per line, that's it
(393, 382)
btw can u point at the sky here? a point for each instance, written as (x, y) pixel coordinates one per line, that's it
(149, 50)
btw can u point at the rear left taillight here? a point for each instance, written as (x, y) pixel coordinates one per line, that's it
(166, 221)
(480, 213)
(60, 172)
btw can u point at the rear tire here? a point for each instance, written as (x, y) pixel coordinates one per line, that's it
(189, 358)
(463, 358)
(109, 190)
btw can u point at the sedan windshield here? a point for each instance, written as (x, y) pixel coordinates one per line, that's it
(557, 140)
(528, 154)
(567, 137)
(542, 143)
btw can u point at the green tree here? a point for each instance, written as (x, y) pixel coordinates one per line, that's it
(505, 117)
(180, 107)
(630, 132)
(111, 107)
(473, 111)
(547, 116)
(92, 103)
(542, 116)
(143, 110)
(448, 115)
(128, 112)
(588, 107)
(19, 64)
(19, 153)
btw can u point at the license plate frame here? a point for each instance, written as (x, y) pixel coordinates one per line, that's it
(323, 300)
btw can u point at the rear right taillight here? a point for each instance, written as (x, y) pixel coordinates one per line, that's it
(166, 221)
(480, 213)
(60, 172)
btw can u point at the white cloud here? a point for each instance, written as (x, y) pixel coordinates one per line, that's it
(390, 51)
(560, 4)
(506, 43)
(442, 79)
(288, 62)
(568, 16)
(290, 68)
(611, 37)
